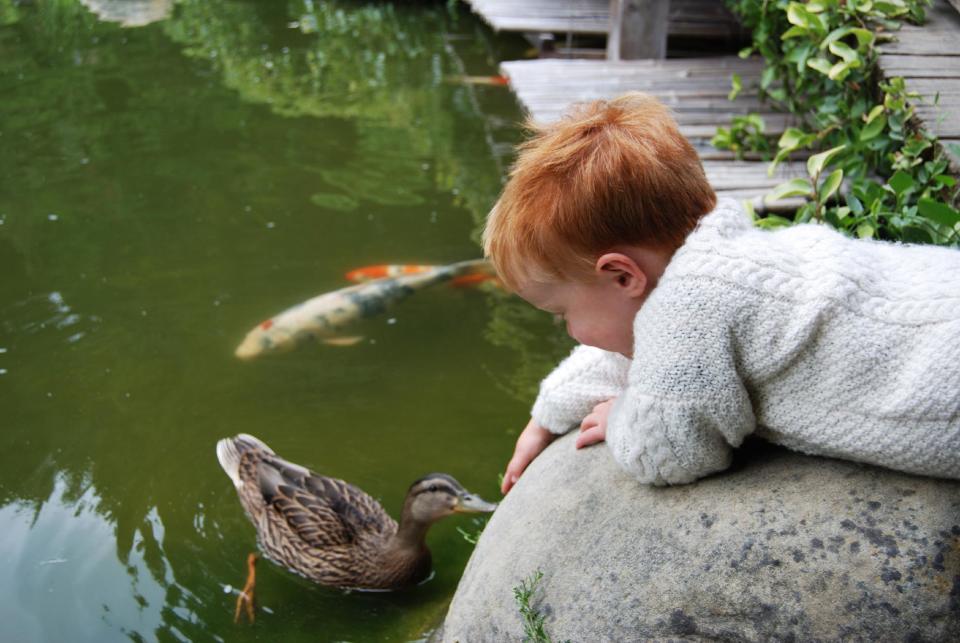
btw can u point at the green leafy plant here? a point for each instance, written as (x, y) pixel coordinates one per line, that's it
(746, 133)
(533, 630)
(472, 535)
(871, 174)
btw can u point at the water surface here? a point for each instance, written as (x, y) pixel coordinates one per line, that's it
(163, 188)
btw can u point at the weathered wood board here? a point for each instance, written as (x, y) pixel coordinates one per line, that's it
(928, 58)
(688, 18)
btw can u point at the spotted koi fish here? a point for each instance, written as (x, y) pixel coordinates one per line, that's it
(368, 273)
(482, 274)
(322, 317)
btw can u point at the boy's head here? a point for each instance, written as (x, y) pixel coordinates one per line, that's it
(602, 197)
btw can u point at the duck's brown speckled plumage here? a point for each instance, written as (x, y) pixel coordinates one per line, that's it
(323, 528)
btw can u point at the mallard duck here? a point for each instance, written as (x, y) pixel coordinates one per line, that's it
(329, 530)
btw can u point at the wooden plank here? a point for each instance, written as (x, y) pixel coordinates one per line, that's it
(638, 29)
(921, 66)
(928, 57)
(937, 37)
(687, 18)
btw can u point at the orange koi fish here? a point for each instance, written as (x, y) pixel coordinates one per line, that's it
(322, 317)
(483, 274)
(379, 271)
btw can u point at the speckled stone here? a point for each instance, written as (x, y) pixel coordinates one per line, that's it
(781, 546)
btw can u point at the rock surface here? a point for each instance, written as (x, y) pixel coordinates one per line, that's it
(781, 546)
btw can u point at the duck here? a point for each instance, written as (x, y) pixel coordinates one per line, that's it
(330, 531)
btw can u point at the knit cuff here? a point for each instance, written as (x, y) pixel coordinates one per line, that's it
(552, 417)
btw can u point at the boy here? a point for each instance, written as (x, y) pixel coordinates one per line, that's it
(697, 329)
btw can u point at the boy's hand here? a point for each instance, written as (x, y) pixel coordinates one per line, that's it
(593, 429)
(531, 442)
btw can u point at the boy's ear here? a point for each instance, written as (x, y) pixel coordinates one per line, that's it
(624, 271)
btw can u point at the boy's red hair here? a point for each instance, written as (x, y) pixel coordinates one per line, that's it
(610, 173)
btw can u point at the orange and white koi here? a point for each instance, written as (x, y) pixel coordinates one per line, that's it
(379, 271)
(322, 317)
(484, 273)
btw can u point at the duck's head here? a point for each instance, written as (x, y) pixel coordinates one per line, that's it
(437, 495)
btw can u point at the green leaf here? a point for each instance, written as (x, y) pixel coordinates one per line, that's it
(891, 8)
(865, 230)
(840, 70)
(798, 15)
(855, 205)
(817, 162)
(835, 35)
(745, 52)
(767, 77)
(830, 185)
(939, 212)
(821, 64)
(874, 113)
(793, 187)
(772, 222)
(794, 32)
(778, 94)
(722, 139)
(736, 84)
(901, 182)
(791, 138)
(945, 179)
(913, 234)
(845, 52)
(916, 146)
(865, 37)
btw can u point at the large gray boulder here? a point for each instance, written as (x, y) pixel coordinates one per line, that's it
(780, 547)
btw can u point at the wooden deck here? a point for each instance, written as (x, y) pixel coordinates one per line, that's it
(688, 18)
(928, 57)
(696, 90)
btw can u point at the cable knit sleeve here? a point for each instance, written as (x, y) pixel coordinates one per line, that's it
(581, 381)
(685, 405)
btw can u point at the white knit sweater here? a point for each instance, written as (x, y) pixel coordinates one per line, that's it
(827, 345)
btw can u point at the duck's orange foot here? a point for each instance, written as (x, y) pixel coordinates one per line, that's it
(245, 599)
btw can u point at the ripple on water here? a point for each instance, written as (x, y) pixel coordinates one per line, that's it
(44, 313)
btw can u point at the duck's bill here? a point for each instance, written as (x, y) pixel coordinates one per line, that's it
(471, 504)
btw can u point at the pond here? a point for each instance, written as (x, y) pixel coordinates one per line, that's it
(170, 175)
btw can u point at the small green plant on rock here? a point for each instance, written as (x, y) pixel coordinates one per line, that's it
(533, 630)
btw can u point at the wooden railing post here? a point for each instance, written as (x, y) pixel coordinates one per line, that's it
(638, 29)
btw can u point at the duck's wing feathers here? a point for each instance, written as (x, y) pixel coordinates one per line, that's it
(322, 511)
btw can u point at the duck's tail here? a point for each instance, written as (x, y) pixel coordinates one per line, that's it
(229, 451)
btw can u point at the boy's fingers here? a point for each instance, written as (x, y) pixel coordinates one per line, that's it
(588, 437)
(509, 480)
(510, 476)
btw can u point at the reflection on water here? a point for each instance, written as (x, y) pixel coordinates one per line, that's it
(130, 13)
(164, 188)
(56, 550)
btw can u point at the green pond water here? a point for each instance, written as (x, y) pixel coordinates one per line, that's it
(165, 187)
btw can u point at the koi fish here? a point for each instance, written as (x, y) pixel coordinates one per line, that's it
(496, 81)
(323, 316)
(483, 274)
(380, 271)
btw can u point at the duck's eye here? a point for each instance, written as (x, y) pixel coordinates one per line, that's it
(432, 488)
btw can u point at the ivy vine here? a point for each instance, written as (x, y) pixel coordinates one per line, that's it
(874, 173)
